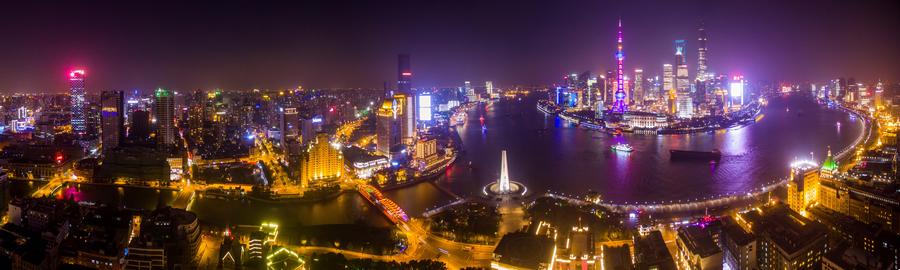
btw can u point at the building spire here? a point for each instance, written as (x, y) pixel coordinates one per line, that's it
(619, 105)
(829, 164)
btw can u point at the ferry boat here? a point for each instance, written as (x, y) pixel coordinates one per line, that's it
(591, 125)
(715, 154)
(619, 147)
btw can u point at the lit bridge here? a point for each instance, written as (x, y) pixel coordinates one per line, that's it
(675, 206)
(388, 207)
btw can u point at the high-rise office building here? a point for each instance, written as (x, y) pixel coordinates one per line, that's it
(407, 123)
(404, 74)
(77, 92)
(489, 88)
(140, 126)
(309, 126)
(387, 129)
(682, 82)
(290, 126)
(619, 104)
(668, 85)
(638, 92)
(112, 119)
(684, 105)
(668, 79)
(701, 55)
(164, 108)
(195, 118)
(470, 92)
(406, 98)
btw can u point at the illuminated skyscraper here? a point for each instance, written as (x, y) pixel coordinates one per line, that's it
(684, 105)
(404, 74)
(470, 92)
(290, 126)
(638, 93)
(112, 119)
(76, 84)
(682, 83)
(406, 99)
(489, 88)
(619, 105)
(387, 129)
(701, 55)
(164, 107)
(668, 79)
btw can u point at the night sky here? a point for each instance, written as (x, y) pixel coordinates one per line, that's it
(204, 45)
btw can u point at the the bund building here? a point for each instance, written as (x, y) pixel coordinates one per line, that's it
(803, 185)
(867, 202)
(322, 162)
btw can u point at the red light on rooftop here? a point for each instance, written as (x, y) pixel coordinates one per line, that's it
(59, 157)
(76, 73)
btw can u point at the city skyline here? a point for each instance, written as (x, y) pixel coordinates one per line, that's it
(202, 46)
(365, 135)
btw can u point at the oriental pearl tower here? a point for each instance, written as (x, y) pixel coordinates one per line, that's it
(619, 105)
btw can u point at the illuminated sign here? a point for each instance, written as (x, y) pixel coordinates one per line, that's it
(737, 89)
(425, 107)
(406, 73)
(76, 74)
(317, 119)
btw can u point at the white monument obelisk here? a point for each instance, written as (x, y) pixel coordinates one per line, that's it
(504, 174)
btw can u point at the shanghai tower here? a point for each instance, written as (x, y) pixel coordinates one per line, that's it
(701, 55)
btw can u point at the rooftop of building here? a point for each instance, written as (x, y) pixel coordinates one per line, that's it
(356, 154)
(174, 215)
(524, 249)
(788, 229)
(650, 250)
(734, 232)
(18, 241)
(616, 258)
(698, 240)
(848, 257)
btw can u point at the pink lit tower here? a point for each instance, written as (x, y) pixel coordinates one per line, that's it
(619, 105)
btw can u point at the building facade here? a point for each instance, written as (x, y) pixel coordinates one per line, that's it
(165, 119)
(112, 119)
(323, 161)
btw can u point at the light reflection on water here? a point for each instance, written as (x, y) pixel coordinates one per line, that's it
(573, 160)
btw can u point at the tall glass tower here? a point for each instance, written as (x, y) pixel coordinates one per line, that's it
(76, 84)
(701, 55)
(619, 104)
(407, 99)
